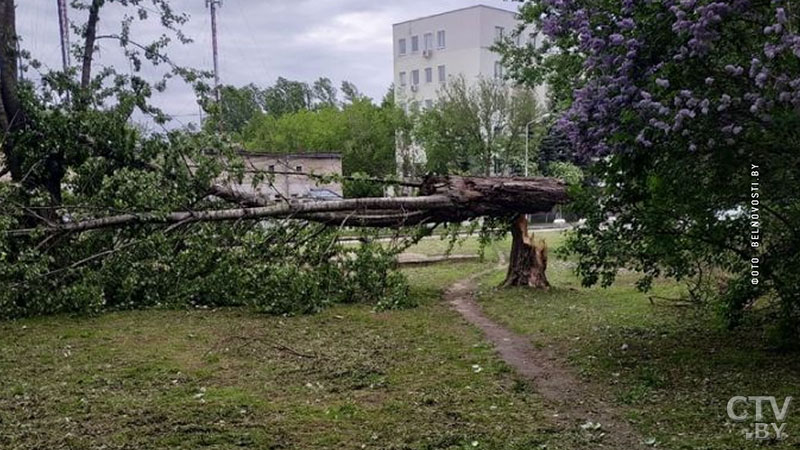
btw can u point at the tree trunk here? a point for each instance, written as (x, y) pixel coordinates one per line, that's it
(12, 117)
(444, 200)
(528, 261)
(88, 46)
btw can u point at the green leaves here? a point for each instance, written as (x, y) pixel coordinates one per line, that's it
(362, 132)
(477, 129)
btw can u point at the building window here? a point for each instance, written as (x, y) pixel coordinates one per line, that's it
(440, 39)
(403, 79)
(499, 33)
(428, 104)
(415, 77)
(498, 69)
(298, 169)
(533, 38)
(428, 41)
(429, 75)
(442, 74)
(414, 44)
(401, 45)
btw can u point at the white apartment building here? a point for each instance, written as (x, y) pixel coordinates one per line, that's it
(430, 50)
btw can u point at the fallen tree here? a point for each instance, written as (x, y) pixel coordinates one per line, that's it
(442, 199)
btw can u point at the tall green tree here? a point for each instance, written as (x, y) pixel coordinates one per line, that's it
(351, 93)
(363, 132)
(321, 130)
(287, 96)
(477, 128)
(324, 92)
(236, 108)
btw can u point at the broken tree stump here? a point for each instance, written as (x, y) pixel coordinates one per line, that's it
(528, 261)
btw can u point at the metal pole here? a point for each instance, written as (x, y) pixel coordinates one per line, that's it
(213, 5)
(63, 27)
(527, 143)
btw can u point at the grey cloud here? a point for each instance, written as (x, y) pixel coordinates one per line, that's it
(260, 40)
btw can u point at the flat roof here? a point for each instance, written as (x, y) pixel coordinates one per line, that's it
(309, 155)
(457, 10)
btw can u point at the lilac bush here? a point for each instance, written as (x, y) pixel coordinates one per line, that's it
(675, 100)
(623, 76)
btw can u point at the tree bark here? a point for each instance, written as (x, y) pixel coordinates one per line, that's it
(496, 196)
(371, 218)
(88, 46)
(528, 261)
(12, 116)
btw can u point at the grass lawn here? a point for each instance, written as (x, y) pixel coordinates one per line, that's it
(437, 246)
(345, 378)
(352, 378)
(671, 370)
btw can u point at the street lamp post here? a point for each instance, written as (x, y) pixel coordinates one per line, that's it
(528, 137)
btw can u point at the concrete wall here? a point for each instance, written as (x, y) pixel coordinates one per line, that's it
(291, 186)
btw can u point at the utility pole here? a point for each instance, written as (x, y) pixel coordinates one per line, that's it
(213, 4)
(63, 26)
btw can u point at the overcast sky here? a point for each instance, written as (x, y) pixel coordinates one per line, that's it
(260, 40)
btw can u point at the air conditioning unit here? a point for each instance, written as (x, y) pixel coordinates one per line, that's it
(427, 53)
(414, 87)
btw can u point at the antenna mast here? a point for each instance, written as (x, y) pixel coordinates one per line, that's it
(63, 26)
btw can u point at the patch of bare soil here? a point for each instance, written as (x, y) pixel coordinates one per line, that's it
(578, 406)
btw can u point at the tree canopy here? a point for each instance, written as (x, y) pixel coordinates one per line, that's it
(477, 128)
